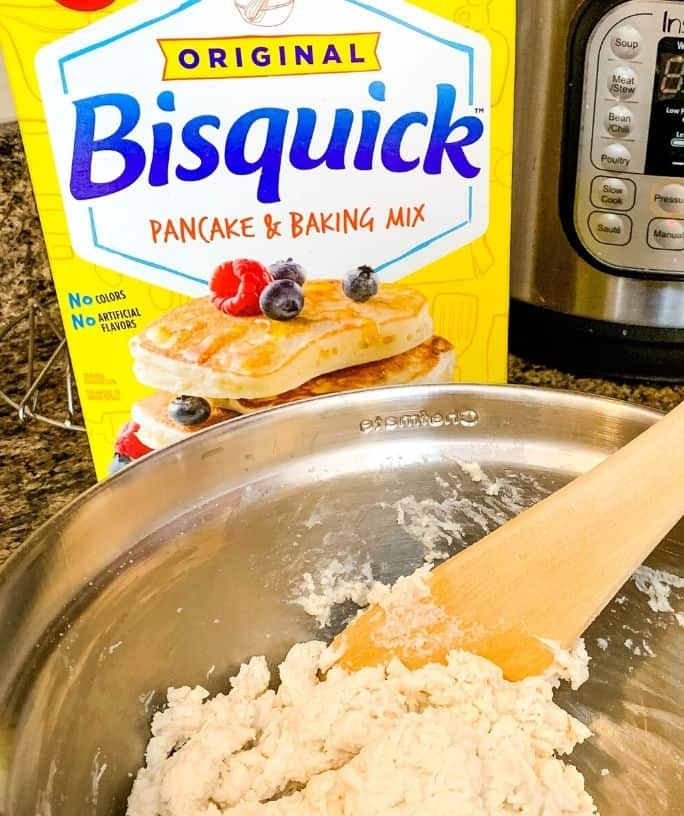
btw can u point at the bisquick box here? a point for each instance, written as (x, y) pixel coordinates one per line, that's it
(363, 144)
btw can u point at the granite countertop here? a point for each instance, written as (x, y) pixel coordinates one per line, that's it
(43, 468)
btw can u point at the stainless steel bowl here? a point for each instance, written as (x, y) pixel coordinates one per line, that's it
(181, 567)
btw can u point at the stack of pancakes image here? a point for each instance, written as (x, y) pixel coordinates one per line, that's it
(239, 365)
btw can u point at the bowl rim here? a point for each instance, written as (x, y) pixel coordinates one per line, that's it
(564, 398)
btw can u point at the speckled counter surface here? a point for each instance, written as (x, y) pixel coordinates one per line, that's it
(43, 468)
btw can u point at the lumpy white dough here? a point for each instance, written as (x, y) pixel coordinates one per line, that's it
(446, 739)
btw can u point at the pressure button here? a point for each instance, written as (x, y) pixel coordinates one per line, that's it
(670, 198)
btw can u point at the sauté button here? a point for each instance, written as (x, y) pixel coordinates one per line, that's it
(666, 233)
(618, 121)
(670, 197)
(613, 193)
(622, 82)
(609, 228)
(616, 157)
(626, 42)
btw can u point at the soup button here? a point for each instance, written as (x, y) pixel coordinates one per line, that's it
(609, 228)
(613, 193)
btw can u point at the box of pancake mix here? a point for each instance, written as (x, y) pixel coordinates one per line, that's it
(251, 202)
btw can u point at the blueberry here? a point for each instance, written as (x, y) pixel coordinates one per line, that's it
(189, 410)
(119, 463)
(288, 270)
(360, 284)
(282, 300)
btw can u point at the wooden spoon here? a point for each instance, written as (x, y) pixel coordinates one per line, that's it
(544, 575)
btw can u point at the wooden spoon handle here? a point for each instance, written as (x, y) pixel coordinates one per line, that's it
(588, 538)
(546, 574)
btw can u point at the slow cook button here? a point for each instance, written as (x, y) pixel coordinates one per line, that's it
(666, 233)
(613, 193)
(616, 157)
(626, 42)
(622, 82)
(670, 197)
(609, 228)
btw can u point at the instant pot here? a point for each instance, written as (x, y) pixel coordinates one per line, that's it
(598, 221)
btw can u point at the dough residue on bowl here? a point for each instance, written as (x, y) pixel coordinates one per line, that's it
(339, 581)
(445, 739)
(658, 585)
(438, 526)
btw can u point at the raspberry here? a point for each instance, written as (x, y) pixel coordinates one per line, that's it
(237, 286)
(127, 443)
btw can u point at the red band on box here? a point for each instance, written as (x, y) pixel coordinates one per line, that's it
(85, 5)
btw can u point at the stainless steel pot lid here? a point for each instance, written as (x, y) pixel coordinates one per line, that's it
(184, 565)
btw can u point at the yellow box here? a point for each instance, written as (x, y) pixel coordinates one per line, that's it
(368, 140)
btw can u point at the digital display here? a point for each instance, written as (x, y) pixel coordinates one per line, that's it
(671, 78)
(665, 149)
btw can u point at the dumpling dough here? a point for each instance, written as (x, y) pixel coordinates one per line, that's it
(455, 739)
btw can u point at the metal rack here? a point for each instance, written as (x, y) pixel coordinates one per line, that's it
(36, 373)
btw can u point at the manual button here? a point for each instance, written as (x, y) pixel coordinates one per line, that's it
(670, 197)
(613, 193)
(609, 228)
(666, 233)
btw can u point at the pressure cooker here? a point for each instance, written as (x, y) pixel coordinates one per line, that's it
(598, 220)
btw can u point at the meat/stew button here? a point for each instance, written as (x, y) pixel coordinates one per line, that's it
(609, 228)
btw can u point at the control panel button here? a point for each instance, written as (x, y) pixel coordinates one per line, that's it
(615, 157)
(619, 121)
(622, 82)
(609, 228)
(670, 197)
(666, 233)
(626, 42)
(613, 193)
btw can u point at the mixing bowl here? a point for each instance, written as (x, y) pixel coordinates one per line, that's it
(185, 565)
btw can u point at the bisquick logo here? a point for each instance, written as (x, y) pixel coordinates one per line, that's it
(422, 420)
(361, 141)
(280, 133)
